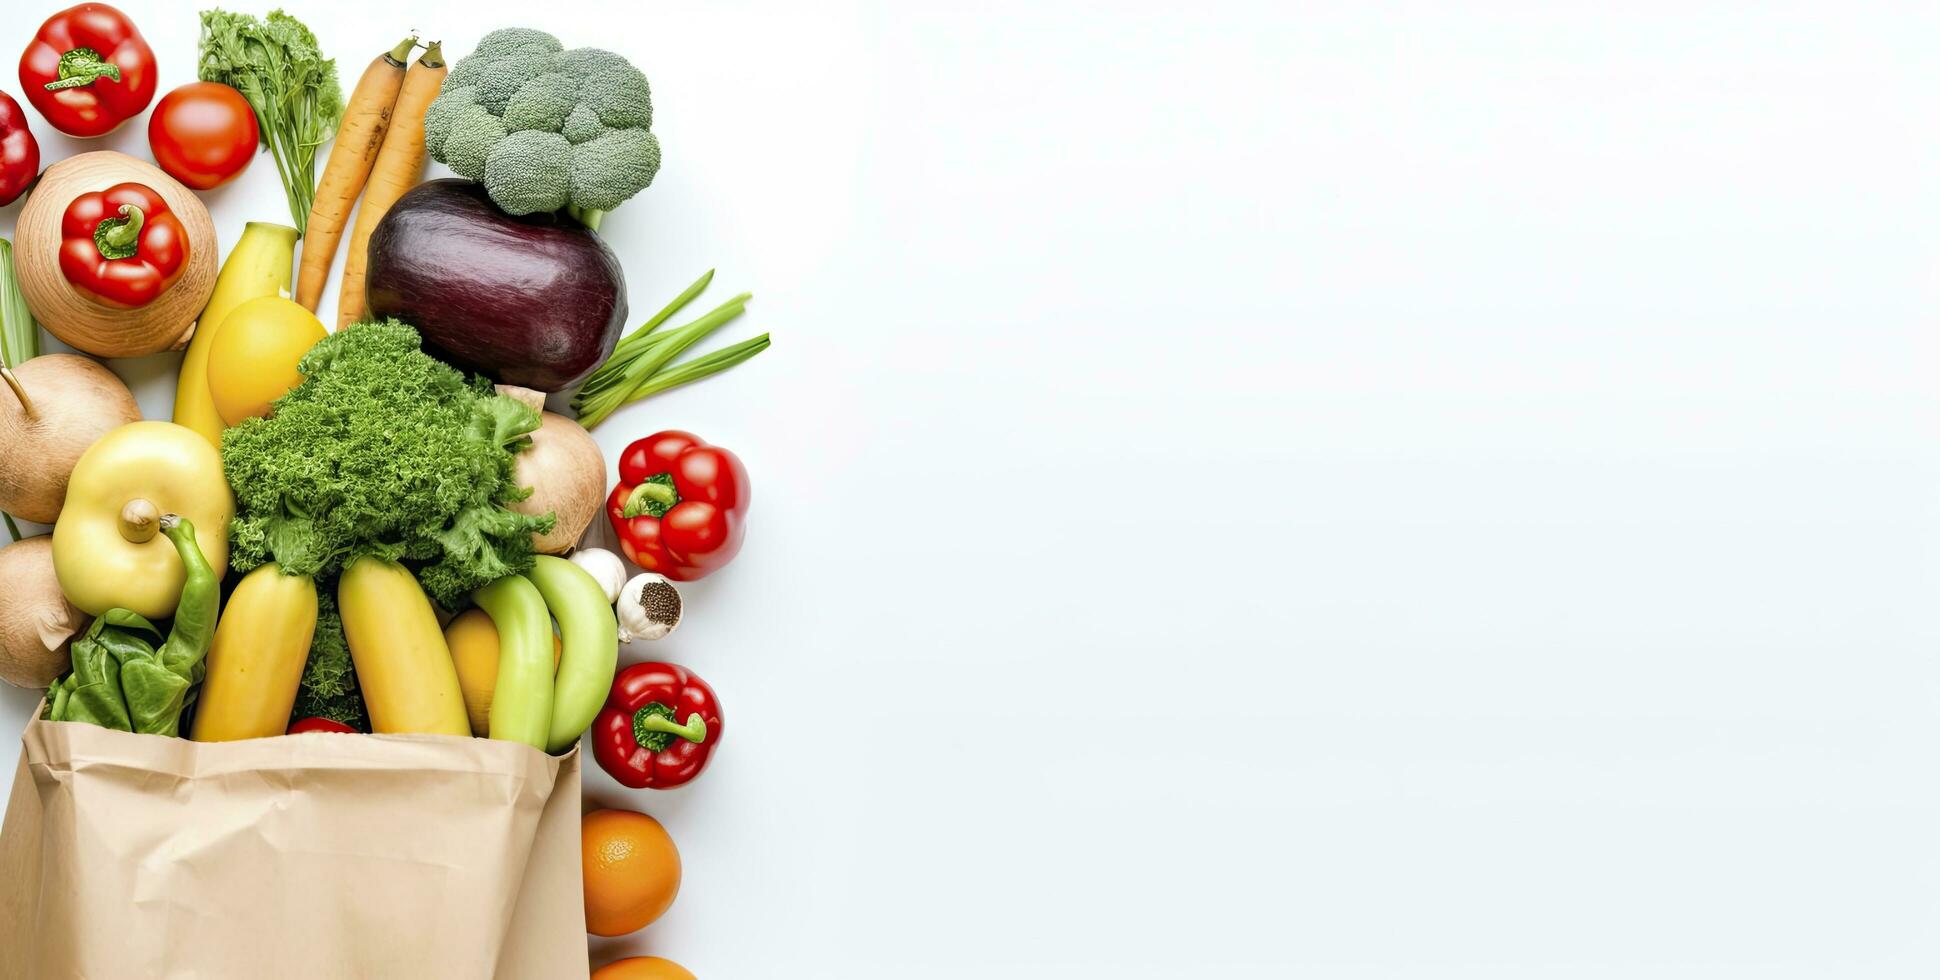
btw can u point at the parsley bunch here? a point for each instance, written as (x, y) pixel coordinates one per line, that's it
(276, 65)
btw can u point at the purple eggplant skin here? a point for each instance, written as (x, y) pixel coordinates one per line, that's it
(532, 300)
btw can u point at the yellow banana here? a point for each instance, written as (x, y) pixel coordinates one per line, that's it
(258, 266)
(403, 664)
(262, 641)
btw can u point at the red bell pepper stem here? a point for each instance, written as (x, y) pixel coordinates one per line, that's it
(88, 70)
(81, 66)
(645, 494)
(117, 237)
(653, 719)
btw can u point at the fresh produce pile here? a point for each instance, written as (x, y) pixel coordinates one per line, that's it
(372, 528)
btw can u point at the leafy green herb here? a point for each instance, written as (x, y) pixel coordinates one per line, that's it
(639, 365)
(382, 450)
(329, 686)
(275, 63)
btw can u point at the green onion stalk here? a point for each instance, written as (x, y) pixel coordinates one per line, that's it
(19, 334)
(639, 367)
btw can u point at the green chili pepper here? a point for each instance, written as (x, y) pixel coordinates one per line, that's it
(195, 613)
(119, 679)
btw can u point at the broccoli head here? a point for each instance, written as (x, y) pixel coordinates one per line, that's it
(544, 128)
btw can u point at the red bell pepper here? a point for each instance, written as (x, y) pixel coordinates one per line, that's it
(121, 246)
(88, 70)
(680, 505)
(659, 727)
(19, 151)
(319, 725)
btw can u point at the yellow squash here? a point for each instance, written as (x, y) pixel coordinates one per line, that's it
(106, 551)
(403, 665)
(259, 265)
(262, 641)
(253, 361)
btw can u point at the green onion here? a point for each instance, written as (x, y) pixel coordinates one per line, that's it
(19, 335)
(646, 362)
(638, 340)
(700, 367)
(639, 367)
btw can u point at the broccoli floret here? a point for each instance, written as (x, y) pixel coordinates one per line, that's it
(546, 129)
(493, 48)
(474, 133)
(506, 76)
(581, 62)
(542, 103)
(613, 167)
(516, 40)
(583, 124)
(442, 113)
(620, 96)
(530, 171)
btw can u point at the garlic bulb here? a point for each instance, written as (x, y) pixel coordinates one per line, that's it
(649, 607)
(605, 568)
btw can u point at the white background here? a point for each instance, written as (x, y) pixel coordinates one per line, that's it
(1396, 490)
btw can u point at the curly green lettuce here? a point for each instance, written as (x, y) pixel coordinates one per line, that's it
(382, 450)
(329, 685)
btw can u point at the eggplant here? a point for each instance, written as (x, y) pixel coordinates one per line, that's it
(534, 300)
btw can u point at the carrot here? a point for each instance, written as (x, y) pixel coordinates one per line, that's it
(400, 165)
(366, 118)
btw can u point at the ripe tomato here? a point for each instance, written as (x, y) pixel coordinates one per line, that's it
(320, 725)
(203, 134)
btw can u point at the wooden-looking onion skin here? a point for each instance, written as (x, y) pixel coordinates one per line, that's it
(70, 401)
(80, 322)
(36, 621)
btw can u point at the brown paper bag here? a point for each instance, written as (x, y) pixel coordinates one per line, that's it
(328, 856)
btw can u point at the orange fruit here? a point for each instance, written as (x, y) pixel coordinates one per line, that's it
(632, 870)
(642, 968)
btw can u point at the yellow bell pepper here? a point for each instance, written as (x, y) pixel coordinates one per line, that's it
(106, 551)
(258, 266)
